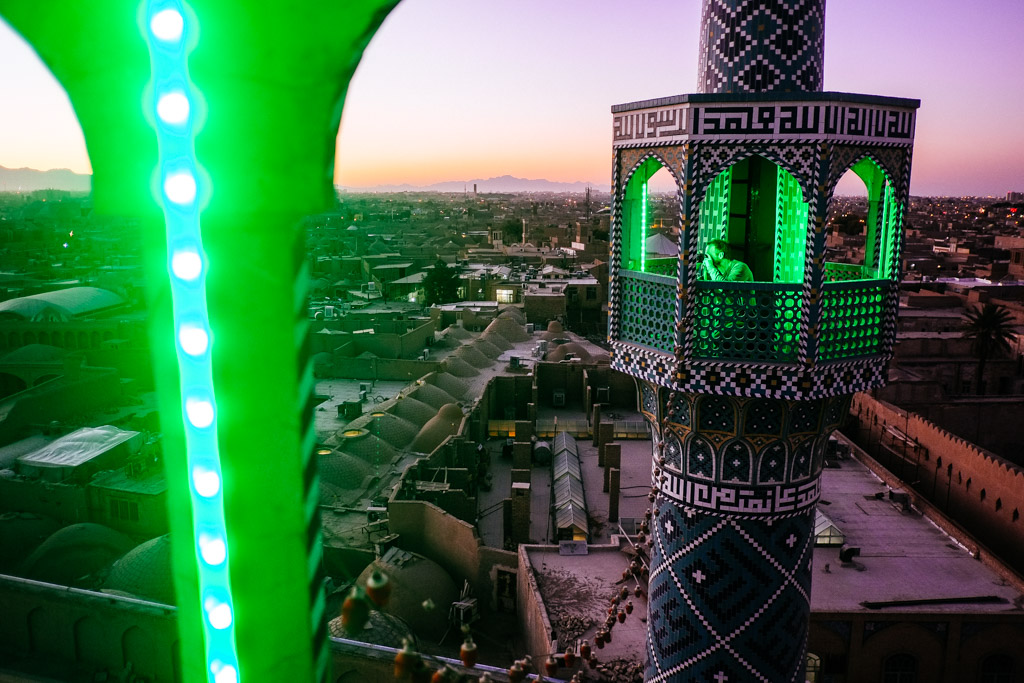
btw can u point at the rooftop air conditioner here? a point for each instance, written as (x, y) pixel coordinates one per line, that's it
(558, 398)
(513, 361)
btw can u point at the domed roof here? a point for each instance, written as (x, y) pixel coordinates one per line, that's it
(513, 313)
(496, 340)
(74, 552)
(473, 357)
(509, 328)
(457, 332)
(556, 327)
(342, 470)
(363, 445)
(63, 304)
(439, 428)
(450, 383)
(487, 348)
(396, 431)
(20, 534)
(416, 579)
(458, 367)
(412, 410)
(562, 350)
(145, 572)
(35, 353)
(431, 395)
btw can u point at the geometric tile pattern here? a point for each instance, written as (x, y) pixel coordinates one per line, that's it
(723, 378)
(761, 46)
(729, 591)
(729, 599)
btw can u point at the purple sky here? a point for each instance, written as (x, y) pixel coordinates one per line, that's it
(462, 89)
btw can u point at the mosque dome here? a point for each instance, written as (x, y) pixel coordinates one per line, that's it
(416, 579)
(74, 552)
(145, 572)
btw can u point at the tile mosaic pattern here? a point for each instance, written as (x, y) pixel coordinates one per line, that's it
(752, 46)
(725, 594)
(731, 573)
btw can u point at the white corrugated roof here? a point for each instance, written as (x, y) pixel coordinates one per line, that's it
(78, 447)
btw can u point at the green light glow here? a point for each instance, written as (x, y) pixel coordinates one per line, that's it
(273, 77)
(643, 227)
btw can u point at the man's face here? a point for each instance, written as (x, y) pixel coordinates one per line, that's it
(715, 253)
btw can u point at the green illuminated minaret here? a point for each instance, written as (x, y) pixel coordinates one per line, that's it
(742, 382)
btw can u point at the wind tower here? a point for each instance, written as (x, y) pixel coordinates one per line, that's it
(742, 382)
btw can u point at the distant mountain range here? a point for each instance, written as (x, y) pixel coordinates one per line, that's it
(29, 180)
(505, 183)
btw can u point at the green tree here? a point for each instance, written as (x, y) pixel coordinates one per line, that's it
(511, 231)
(990, 328)
(441, 285)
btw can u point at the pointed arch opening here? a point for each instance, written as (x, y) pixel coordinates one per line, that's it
(758, 209)
(863, 227)
(650, 220)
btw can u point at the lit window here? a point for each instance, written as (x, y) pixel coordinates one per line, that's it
(505, 296)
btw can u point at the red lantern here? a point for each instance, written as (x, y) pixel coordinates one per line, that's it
(378, 588)
(355, 612)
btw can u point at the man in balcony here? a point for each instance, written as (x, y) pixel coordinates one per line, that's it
(717, 267)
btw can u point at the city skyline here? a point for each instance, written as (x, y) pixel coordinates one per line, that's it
(532, 99)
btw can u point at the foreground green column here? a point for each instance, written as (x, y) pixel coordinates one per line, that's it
(215, 124)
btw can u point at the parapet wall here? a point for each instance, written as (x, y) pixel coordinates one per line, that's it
(975, 487)
(87, 631)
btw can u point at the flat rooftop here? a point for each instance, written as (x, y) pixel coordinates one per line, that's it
(904, 556)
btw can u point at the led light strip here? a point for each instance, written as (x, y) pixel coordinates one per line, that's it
(170, 33)
(643, 227)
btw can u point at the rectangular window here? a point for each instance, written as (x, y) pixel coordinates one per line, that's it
(591, 293)
(505, 296)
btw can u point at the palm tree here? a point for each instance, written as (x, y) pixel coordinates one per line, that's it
(990, 326)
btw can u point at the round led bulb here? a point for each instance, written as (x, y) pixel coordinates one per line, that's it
(173, 108)
(212, 549)
(180, 188)
(223, 673)
(193, 339)
(199, 412)
(217, 613)
(186, 264)
(167, 25)
(206, 482)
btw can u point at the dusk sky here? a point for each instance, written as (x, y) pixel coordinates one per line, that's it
(463, 89)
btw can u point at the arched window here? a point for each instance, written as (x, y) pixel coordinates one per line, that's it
(900, 668)
(997, 668)
(813, 674)
(757, 208)
(650, 221)
(863, 225)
